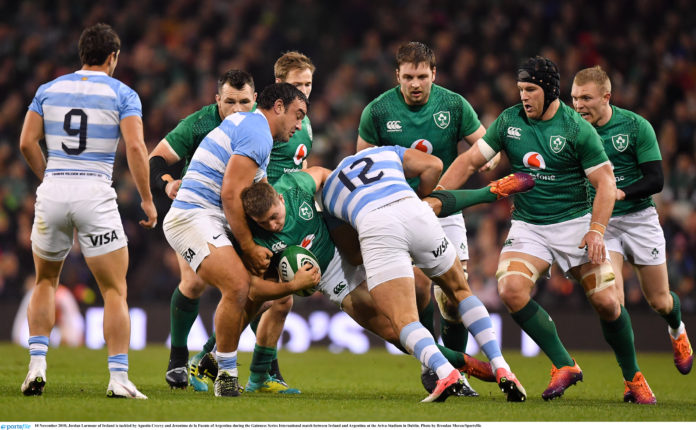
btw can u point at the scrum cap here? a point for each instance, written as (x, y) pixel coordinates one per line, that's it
(543, 72)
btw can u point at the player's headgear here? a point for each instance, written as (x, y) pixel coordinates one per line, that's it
(543, 72)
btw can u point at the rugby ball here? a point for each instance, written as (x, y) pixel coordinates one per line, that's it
(292, 258)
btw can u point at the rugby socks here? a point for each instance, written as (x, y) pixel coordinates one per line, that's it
(455, 358)
(227, 361)
(118, 363)
(208, 347)
(673, 318)
(454, 334)
(254, 324)
(619, 335)
(537, 323)
(261, 363)
(477, 320)
(455, 200)
(425, 316)
(419, 342)
(182, 313)
(38, 348)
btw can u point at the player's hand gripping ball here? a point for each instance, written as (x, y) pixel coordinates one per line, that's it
(291, 260)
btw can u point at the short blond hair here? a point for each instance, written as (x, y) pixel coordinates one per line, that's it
(594, 74)
(290, 61)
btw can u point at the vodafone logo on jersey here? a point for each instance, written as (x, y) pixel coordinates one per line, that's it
(534, 161)
(300, 154)
(423, 145)
(307, 241)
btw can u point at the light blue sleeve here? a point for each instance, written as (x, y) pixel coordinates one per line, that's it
(252, 139)
(129, 102)
(37, 103)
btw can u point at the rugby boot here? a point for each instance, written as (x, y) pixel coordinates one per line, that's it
(683, 354)
(514, 183)
(508, 383)
(638, 391)
(561, 379)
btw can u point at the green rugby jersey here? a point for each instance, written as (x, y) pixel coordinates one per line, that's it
(190, 131)
(435, 127)
(629, 140)
(288, 156)
(304, 226)
(556, 152)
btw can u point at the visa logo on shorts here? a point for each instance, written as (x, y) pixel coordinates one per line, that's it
(440, 250)
(188, 255)
(103, 239)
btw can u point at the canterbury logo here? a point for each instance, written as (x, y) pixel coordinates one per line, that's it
(393, 125)
(514, 132)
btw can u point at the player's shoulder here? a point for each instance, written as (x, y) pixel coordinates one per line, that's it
(438, 91)
(388, 97)
(626, 116)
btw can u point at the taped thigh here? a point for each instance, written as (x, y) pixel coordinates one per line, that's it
(598, 279)
(517, 266)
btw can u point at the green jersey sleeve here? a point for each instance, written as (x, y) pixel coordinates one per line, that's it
(181, 138)
(300, 180)
(493, 137)
(470, 119)
(647, 147)
(366, 129)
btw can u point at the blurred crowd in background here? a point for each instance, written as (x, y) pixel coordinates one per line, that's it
(174, 50)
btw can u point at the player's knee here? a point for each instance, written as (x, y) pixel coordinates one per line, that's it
(599, 279)
(448, 309)
(192, 287)
(282, 306)
(516, 277)
(662, 303)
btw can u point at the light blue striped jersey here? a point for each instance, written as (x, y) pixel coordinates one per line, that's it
(82, 112)
(368, 180)
(242, 133)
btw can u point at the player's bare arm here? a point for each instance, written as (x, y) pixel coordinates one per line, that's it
(604, 182)
(165, 151)
(32, 132)
(136, 153)
(427, 167)
(472, 138)
(319, 174)
(465, 165)
(261, 289)
(362, 144)
(239, 174)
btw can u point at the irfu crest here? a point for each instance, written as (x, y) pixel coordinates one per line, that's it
(306, 212)
(557, 143)
(442, 119)
(620, 142)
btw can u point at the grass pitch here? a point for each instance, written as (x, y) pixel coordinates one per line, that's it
(336, 387)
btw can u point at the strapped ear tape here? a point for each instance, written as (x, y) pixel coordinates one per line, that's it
(543, 72)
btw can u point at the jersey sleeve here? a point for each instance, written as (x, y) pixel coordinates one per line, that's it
(37, 102)
(254, 140)
(470, 121)
(366, 129)
(589, 146)
(492, 136)
(303, 181)
(129, 103)
(647, 147)
(181, 138)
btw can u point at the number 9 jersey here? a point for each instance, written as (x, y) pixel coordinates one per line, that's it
(82, 112)
(368, 180)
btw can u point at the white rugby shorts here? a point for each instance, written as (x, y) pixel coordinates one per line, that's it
(551, 242)
(189, 231)
(400, 234)
(64, 205)
(455, 230)
(638, 237)
(340, 279)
